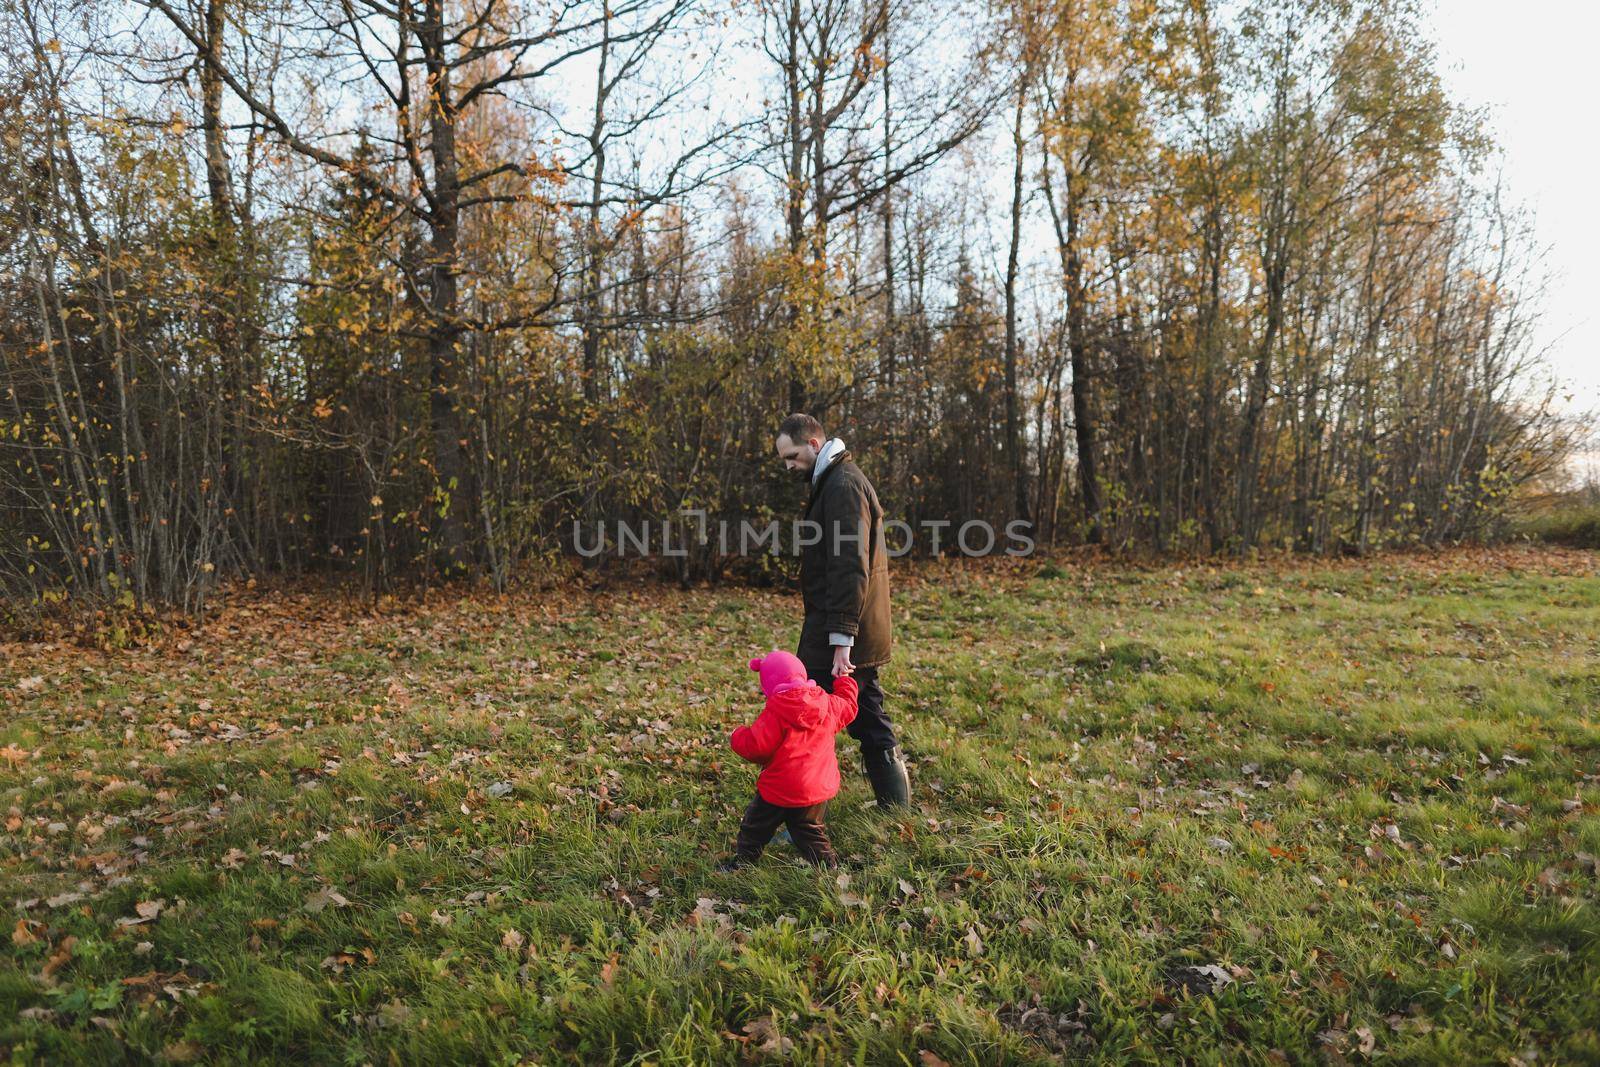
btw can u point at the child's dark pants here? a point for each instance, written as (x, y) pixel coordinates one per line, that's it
(762, 819)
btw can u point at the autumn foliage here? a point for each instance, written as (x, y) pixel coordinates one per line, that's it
(384, 290)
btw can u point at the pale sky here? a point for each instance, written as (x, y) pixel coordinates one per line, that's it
(1533, 63)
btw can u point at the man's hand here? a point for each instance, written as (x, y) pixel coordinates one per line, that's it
(841, 661)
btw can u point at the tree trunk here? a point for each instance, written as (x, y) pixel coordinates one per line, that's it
(1066, 221)
(217, 182)
(1245, 524)
(444, 335)
(795, 213)
(595, 248)
(1083, 425)
(886, 355)
(1014, 451)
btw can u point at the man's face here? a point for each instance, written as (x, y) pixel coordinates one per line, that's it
(798, 457)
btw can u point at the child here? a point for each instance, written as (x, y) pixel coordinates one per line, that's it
(792, 739)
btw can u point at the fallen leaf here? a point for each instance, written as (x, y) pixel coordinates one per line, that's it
(1215, 975)
(1366, 1042)
(182, 1051)
(147, 911)
(325, 897)
(60, 957)
(765, 1031)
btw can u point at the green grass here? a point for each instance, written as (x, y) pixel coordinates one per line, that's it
(1360, 799)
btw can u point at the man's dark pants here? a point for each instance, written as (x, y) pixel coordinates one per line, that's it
(871, 726)
(806, 830)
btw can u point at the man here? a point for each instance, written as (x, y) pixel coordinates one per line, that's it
(844, 585)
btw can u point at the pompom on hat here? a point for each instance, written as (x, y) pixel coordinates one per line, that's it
(780, 672)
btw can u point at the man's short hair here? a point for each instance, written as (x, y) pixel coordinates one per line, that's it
(801, 428)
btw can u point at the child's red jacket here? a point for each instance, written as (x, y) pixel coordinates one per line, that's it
(792, 739)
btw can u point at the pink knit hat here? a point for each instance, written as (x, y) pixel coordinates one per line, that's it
(780, 672)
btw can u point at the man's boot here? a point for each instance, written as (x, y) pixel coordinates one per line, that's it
(886, 770)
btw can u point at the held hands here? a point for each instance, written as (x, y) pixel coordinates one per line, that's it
(841, 661)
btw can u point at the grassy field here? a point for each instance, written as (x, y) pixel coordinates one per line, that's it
(1261, 814)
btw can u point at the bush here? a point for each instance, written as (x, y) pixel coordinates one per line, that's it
(1577, 527)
